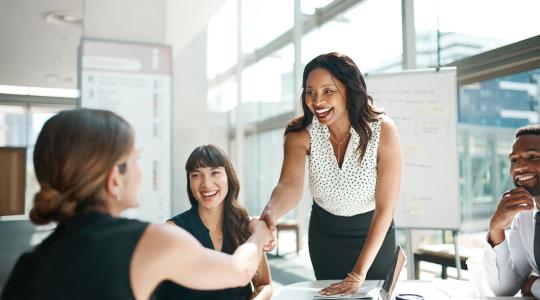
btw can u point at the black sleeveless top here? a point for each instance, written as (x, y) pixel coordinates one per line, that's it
(87, 257)
(192, 223)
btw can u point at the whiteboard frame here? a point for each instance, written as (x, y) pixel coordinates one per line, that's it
(457, 218)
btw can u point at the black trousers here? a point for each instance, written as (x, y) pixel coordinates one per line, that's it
(335, 243)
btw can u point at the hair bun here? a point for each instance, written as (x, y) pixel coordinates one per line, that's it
(47, 205)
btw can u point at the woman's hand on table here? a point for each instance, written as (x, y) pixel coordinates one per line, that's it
(347, 286)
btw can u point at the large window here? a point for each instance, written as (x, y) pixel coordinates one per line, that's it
(448, 30)
(268, 86)
(19, 127)
(13, 126)
(372, 41)
(489, 113)
(263, 21)
(510, 101)
(223, 97)
(310, 7)
(221, 40)
(370, 32)
(262, 168)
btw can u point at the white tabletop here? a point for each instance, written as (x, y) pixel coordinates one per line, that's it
(429, 290)
(305, 290)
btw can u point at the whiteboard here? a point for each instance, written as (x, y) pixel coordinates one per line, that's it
(134, 81)
(423, 104)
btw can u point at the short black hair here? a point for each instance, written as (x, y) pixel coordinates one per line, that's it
(529, 129)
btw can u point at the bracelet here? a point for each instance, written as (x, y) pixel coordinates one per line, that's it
(355, 276)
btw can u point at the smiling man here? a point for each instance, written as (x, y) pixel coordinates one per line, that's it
(510, 262)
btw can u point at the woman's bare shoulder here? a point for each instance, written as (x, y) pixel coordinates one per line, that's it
(166, 236)
(297, 139)
(389, 132)
(387, 124)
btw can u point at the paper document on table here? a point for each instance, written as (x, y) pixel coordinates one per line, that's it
(353, 296)
(344, 297)
(370, 293)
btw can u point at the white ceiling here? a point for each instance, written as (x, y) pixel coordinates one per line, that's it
(34, 52)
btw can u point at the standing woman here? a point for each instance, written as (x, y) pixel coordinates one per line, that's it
(354, 174)
(218, 221)
(88, 169)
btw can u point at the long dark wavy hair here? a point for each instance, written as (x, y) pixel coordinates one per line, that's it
(235, 224)
(359, 104)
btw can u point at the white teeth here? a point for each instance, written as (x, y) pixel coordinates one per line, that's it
(524, 177)
(323, 110)
(209, 194)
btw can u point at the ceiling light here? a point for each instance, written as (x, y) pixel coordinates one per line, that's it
(51, 77)
(38, 91)
(62, 18)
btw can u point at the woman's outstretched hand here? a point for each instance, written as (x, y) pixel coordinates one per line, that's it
(267, 217)
(347, 286)
(260, 228)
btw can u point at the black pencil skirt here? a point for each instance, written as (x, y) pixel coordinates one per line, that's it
(335, 243)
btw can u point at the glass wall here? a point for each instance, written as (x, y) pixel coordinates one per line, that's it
(374, 43)
(489, 113)
(370, 32)
(19, 127)
(448, 30)
(268, 83)
(223, 97)
(13, 126)
(221, 56)
(310, 7)
(263, 165)
(263, 21)
(268, 86)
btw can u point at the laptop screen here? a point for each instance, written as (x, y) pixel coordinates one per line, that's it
(394, 270)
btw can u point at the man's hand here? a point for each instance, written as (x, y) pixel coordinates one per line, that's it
(526, 287)
(511, 203)
(267, 217)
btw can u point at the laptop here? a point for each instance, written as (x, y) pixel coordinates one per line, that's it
(374, 289)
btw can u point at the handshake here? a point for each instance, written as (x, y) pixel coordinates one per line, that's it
(264, 228)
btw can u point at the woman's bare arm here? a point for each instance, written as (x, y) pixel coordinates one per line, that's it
(386, 194)
(170, 253)
(262, 281)
(288, 191)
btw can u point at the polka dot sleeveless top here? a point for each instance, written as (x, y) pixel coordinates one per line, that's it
(349, 190)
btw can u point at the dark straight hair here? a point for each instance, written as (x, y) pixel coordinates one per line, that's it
(359, 104)
(235, 224)
(533, 129)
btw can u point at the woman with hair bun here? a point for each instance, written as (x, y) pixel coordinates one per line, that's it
(86, 164)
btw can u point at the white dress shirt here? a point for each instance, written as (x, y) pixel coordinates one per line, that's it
(509, 264)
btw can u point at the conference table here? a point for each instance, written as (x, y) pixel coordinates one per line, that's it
(439, 289)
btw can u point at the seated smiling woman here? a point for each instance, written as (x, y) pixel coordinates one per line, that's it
(218, 221)
(87, 166)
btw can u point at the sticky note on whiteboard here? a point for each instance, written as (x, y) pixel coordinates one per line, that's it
(415, 208)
